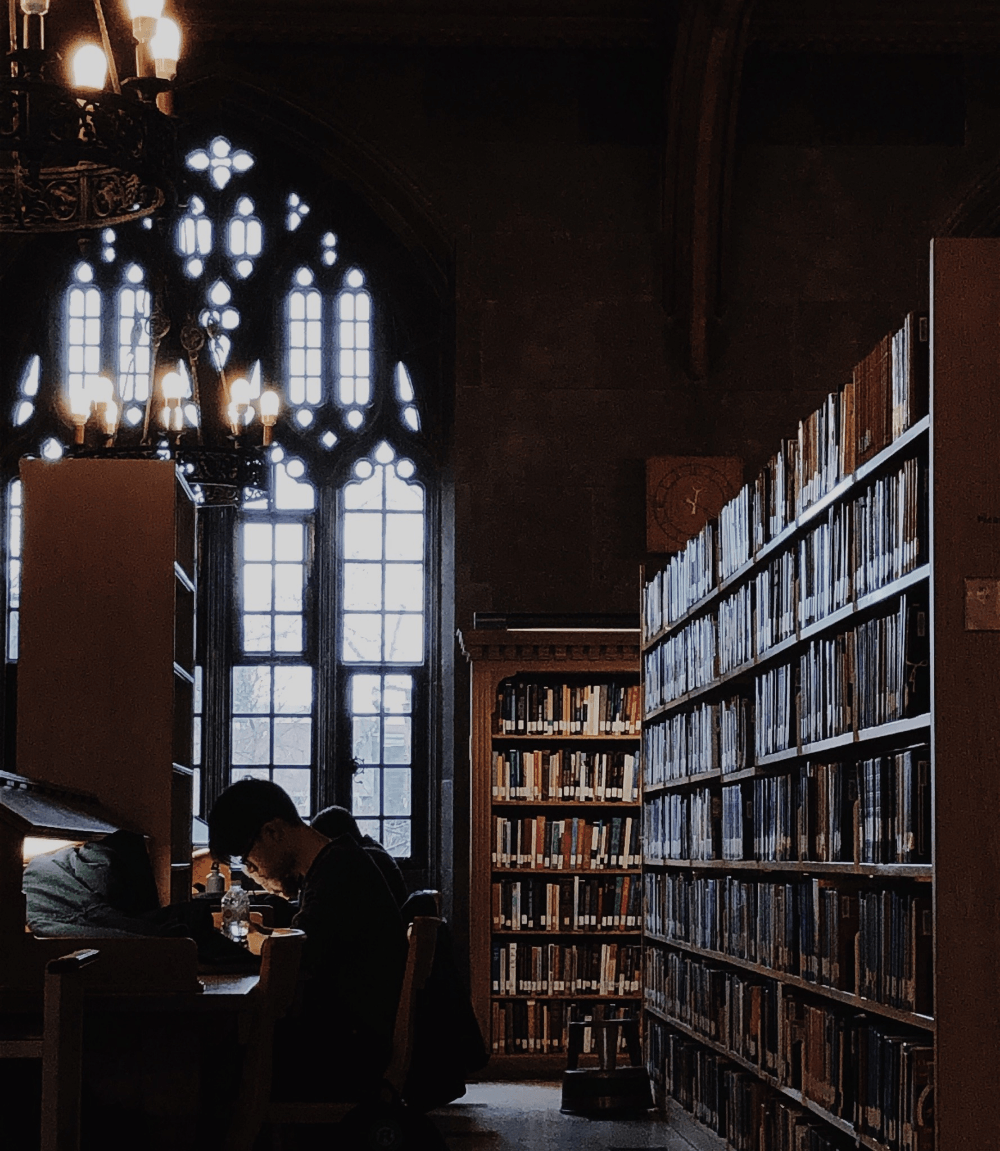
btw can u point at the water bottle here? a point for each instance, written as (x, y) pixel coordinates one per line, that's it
(215, 883)
(236, 913)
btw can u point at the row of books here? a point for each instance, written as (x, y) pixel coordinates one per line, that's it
(890, 665)
(774, 710)
(775, 602)
(886, 395)
(686, 580)
(872, 1075)
(894, 1100)
(877, 810)
(541, 1027)
(566, 844)
(736, 630)
(682, 826)
(735, 545)
(822, 569)
(709, 737)
(682, 663)
(883, 399)
(895, 967)
(530, 707)
(854, 1067)
(715, 1003)
(556, 968)
(577, 904)
(855, 549)
(873, 674)
(875, 944)
(888, 531)
(601, 776)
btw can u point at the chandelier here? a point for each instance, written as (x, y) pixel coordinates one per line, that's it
(74, 156)
(84, 151)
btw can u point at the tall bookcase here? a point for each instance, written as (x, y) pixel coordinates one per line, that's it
(820, 782)
(555, 898)
(107, 630)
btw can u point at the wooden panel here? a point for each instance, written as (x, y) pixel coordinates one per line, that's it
(95, 675)
(965, 539)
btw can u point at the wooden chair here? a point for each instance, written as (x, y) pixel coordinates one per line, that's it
(60, 1048)
(275, 991)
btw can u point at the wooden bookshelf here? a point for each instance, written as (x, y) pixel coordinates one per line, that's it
(502, 659)
(801, 854)
(106, 665)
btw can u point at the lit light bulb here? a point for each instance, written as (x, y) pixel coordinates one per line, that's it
(110, 418)
(79, 406)
(239, 392)
(233, 412)
(139, 9)
(268, 412)
(165, 48)
(90, 67)
(172, 387)
(145, 14)
(269, 405)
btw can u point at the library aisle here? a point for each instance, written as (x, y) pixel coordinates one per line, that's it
(526, 1117)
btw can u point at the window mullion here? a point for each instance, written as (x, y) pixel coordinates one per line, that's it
(331, 769)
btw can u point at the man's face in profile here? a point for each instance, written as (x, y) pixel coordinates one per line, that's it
(270, 860)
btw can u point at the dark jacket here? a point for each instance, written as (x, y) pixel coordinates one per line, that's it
(353, 963)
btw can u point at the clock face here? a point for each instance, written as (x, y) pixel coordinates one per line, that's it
(685, 496)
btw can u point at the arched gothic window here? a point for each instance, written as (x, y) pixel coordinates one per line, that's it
(314, 597)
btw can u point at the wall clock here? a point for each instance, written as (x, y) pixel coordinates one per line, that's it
(683, 493)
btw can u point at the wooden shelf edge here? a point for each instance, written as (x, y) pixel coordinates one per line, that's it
(565, 871)
(576, 804)
(919, 872)
(579, 737)
(566, 932)
(565, 996)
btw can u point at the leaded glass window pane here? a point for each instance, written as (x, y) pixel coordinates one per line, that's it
(272, 727)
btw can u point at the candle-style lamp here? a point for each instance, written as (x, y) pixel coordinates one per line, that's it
(239, 401)
(145, 15)
(79, 408)
(268, 412)
(165, 49)
(172, 387)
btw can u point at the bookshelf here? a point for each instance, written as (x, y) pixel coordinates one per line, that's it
(555, 922)
(107, 645)
(819, 763)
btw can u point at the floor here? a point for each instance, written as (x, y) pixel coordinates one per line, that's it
(526, 1117)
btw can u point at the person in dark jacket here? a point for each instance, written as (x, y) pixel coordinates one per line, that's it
(333, 821)
(340, 1039)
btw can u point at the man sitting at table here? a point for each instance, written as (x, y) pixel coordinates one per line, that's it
(340, 1037)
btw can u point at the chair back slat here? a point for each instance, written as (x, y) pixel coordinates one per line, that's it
(419, 962)
(280, 957)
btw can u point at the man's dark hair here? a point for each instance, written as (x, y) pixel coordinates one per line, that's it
(241, 811)
(335, 821)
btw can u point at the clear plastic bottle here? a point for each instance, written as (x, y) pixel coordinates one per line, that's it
(215, 883)
(236, 912)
